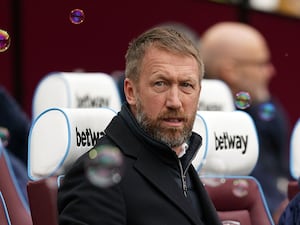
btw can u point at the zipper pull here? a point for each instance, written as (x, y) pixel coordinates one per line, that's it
(184, 186)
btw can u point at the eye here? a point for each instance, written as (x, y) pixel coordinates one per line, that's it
(159, 83)
(160, 86)
(187, 84)
(187, 87)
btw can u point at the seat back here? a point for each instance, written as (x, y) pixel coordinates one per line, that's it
(228, 154)
(57, 138)
(227, 136)
(17, 207)
(75, 90)
(239, 199)
(293, 185)
(4, 217)
(215, 96)
(208, 125)
(43, 191)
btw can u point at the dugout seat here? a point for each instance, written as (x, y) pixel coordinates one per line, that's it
(211, 164)
(4, 217)
(58, 136)
(229, 154)
(75, 90)
(17, 208)
(294, 185)
(215, 96)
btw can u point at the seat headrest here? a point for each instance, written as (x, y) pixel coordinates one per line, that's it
(295, 151)
(229, 143)
(75, 90)
(215, 96)
(58, 136)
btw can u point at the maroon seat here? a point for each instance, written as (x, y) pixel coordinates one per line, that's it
(47, 166)
(238, 198)
(4, 217)
(293, 189)
(17, 207)
(293, 185)
(42, 195)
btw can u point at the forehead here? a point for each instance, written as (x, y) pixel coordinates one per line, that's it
(156, 57)
(252, 50)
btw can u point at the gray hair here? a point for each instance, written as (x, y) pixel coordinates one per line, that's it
(165, 38)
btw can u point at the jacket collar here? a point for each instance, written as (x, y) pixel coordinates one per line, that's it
(161, 150)
(136, 140)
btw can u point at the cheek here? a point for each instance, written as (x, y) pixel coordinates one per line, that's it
(193, 104)
(190, 105)
(153, 105)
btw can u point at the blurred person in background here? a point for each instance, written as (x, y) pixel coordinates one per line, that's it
(239, 55)
(291, 214)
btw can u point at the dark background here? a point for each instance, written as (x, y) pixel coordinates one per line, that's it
(44, 40)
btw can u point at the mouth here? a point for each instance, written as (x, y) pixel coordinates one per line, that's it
(173, 121)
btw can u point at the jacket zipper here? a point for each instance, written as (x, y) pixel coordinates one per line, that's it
(183, 173)
(183, 178)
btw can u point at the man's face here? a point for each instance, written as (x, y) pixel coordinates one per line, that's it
(255, 71)
(166, 97)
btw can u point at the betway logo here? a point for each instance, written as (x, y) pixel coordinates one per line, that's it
(226, 142)
(91, 102)
(209, 107)
(87, 137)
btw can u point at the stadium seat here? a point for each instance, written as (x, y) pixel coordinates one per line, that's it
(17, 207)
(44, 191)
(226, 135)
(4, 217)
(229, 154)
(58, 136)
(209, 162)
(293, 185)
(238, 198)
(75, 90)
(215, 96)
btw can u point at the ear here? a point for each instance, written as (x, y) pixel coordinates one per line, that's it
(130, 91)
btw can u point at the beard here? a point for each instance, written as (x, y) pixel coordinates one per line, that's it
(171, 136)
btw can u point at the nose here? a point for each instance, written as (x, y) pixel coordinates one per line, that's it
(173, 98)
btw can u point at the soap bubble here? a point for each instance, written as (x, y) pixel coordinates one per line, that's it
(4, 136)
(267, 111)
(4, 40)
(213, 181)
(240, 188)
(77, 16)
(104, 167)
(242, 100)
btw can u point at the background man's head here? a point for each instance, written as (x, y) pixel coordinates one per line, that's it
(238, 54)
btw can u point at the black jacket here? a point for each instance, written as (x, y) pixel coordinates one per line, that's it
(150, 192)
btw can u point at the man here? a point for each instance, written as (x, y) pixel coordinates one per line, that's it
(291, 213)
(238, 54)
(153, 131)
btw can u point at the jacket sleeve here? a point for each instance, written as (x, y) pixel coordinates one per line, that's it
(80, 202)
